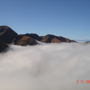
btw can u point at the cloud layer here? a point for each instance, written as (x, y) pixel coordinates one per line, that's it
(45, 67)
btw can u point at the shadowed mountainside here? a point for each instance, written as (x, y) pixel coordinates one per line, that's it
(3, 47)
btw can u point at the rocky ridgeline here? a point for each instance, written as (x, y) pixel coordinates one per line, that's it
(9, 36)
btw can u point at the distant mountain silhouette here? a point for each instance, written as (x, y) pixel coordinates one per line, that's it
(9, 36)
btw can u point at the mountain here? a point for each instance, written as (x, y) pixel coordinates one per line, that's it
(3, 47)
(9, 36)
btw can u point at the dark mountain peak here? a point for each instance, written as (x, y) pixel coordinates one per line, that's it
(6, 28)
(7, 35)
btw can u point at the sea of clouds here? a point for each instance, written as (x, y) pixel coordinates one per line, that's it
(45, 67)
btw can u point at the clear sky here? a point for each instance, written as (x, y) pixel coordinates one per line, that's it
(69, 18)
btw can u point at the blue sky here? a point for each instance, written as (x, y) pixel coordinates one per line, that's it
(69, 18)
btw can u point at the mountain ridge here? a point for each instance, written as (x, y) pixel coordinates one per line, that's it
(9, 36)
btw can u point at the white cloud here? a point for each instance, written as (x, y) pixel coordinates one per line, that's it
(45, 67)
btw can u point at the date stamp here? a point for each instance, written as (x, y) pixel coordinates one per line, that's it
(83, 81)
